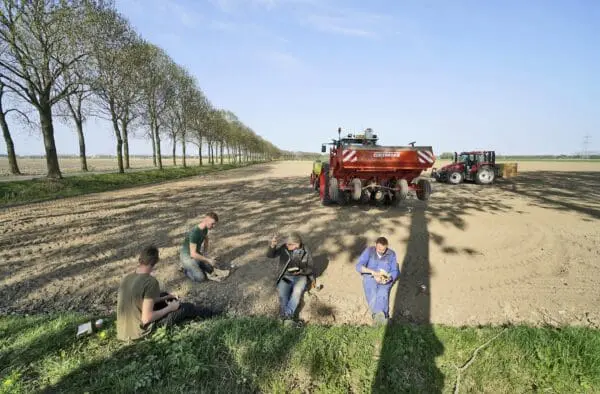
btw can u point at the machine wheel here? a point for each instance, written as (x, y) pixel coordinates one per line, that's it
(343, 197)
(485, 176)
(356, 186)
(423, 189)
(334, 189)
(324, 185)
(455, 178)
(401, 194)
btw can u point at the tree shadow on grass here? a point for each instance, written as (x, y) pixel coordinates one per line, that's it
(218, 356)
(412, 368)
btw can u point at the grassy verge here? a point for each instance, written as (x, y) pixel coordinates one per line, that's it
(237, 355)
(45, 189)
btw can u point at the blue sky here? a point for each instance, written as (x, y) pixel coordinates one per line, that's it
(520, 77)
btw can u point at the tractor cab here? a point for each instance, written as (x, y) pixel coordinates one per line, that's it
(366, 138)
(478, 166)
(474, 158)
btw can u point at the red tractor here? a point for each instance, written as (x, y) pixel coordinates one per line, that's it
(478, 166)
(360, 170)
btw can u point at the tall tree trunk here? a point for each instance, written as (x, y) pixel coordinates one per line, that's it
(82, 156)
(200, 149)
(158, 153)
(125, 133)
(119, 145)
(10, 146)
(52, 165)
(153, 143)
(174, 150)
(221, 152)
(183, 148)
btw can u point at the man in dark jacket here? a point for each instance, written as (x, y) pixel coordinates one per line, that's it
(296, 271)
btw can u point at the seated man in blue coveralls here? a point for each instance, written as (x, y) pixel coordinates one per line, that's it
(379, 269)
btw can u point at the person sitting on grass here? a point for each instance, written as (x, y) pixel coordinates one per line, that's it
(193, 255)
(379, 268)
(141, 306)
(296, 264)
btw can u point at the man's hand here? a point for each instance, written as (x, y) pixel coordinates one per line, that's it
(173, 305)
(171, 296)
(274, 241)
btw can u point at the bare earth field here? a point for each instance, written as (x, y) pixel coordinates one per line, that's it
(525, 250)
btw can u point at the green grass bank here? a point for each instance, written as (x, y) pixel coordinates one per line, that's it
(245, 355)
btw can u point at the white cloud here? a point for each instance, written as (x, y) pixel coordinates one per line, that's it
(349, 22)
(337, 25)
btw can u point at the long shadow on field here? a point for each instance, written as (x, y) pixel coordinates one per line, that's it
(225, 356)
(565, 191)
(411, 368)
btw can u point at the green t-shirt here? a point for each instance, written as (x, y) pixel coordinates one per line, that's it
(133, 290)
(196, 236)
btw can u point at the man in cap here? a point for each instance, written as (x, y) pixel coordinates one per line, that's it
(296, 271)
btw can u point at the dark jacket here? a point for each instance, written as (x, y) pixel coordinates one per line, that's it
(300, 258)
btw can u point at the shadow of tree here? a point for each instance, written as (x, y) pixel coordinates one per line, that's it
(565, 191)
(225, 356)
(413, 369)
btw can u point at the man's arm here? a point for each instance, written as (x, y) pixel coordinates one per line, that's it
(198, 256)
(361, 266)
(205, 244)
(274, 251)
(309, 263)
(149, 314)
(151, 292)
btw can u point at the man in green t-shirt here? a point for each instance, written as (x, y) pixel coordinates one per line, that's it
(193, 255)
(141, 306)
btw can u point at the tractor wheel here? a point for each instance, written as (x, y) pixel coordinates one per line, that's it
(343, 197)
(334, 189)
(423, 189)
(324, 185)
(485, 176)
(356, 189)
(454, 178)
(401, 194)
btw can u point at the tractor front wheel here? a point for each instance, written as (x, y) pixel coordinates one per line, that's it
(423, 189)
(454, 178)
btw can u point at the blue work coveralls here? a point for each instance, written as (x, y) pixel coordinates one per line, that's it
(378, 295)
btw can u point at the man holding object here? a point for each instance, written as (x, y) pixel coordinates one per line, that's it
(379, 268)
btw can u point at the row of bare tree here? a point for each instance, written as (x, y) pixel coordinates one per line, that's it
(82, 58)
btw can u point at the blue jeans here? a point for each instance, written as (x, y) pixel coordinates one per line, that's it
(377, 295)
(291, 288)
(194, 269)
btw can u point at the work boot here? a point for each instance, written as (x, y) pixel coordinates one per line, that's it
(379, 319)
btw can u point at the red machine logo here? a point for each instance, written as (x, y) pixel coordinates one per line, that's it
(386, 154)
